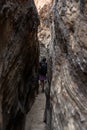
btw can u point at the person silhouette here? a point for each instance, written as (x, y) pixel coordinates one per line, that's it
(42, 72)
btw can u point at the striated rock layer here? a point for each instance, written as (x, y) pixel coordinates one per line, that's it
(68, 50)
(19, 56)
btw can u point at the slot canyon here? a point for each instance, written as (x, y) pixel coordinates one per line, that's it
(29, 31)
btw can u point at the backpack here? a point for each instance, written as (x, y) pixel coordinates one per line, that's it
(43, 68)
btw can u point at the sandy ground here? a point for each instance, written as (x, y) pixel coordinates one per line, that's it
(34, 119)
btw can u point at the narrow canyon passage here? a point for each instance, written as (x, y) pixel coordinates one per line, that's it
(34, 119)
(29, 31)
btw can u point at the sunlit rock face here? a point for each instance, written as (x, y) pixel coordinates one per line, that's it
(19, 58)
(68, 50)
(43, 7)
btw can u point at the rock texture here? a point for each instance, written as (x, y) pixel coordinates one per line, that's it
(19, 56)
(43, 7)
(68, 50)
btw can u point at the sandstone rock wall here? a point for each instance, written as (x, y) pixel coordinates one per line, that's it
(68, 50)
(19, 56)
(43, 7)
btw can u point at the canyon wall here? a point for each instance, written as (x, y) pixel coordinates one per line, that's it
(19, 57)
(43, 7)
(68, 50)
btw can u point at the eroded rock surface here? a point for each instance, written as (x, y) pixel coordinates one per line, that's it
(19, 58)
(68, 50)
(43, 7)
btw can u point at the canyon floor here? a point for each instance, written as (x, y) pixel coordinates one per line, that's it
(34, 119)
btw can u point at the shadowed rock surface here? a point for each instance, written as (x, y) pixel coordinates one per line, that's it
(19, 56)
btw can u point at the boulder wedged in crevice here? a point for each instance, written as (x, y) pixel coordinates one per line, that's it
(19, 58)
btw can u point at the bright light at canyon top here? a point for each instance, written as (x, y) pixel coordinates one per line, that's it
(40, 3)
